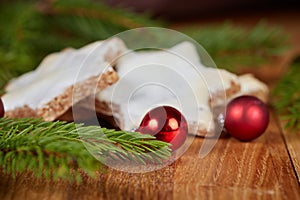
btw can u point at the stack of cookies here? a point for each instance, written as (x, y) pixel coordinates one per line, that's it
(123, 84)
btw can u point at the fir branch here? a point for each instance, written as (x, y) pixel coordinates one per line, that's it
(232, 47)
(62, 150)
(19, 25)
(85, 8)
(28, 34)
(286, 96)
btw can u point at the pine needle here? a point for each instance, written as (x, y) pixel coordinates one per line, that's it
(286, 96)
(63, 149)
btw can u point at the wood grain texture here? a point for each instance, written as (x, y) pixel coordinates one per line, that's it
(292, 140)
(254, 170)
(110, 185)
(260, 169)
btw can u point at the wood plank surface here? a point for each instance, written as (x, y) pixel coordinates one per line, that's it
(235, 170)
(260, 169)
(292, 140)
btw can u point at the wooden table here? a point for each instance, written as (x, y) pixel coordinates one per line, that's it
(266, 168)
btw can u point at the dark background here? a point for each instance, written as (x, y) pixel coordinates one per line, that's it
(181, 10)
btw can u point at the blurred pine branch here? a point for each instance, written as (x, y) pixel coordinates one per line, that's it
(30, 31)
(232, 46)
(286, 95)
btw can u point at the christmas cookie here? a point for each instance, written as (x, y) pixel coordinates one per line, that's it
(172, 77)
(47, 92)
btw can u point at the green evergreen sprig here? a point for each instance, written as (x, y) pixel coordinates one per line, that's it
(63, 150)
(286, 95)
(233, 47)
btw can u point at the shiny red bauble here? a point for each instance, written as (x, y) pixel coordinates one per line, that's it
(1, 108)
(166, 124)
(246, 118)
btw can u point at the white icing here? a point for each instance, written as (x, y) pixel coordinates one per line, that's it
(252, 86)
(57, 72)
(173, 77)
(219, 79)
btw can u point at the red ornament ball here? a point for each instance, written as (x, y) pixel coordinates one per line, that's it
(166, 124)
(1, 108)
(246, 118)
